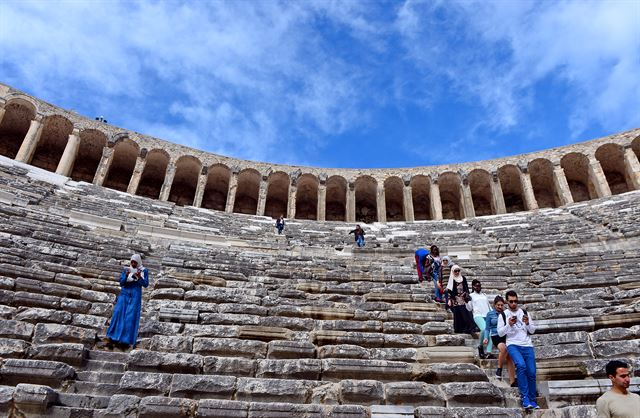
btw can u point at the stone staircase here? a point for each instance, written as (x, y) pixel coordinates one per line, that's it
(239, 321)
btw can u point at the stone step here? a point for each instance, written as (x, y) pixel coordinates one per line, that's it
(109, 356)
(99, 377)
(92, 388)
(81, 400)
(104, 366)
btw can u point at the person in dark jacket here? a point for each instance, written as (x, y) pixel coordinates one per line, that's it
(458, 290)
(280, 224)
(358, 235)
(421, 260)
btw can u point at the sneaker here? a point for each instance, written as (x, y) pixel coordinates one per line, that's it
(526, 404)
(534, 405)
(499, 372)
(514, 384)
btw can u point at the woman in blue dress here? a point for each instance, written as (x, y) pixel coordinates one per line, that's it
(123, 328)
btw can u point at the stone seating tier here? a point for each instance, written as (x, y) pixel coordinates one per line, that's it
(256, 324)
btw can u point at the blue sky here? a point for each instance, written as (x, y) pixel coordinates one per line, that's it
(336, 83)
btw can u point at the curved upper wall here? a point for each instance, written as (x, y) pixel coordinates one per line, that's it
(49, 137)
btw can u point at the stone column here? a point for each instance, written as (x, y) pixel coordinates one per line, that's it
(30, 142)
(407, 199)
(632, 167)
(497, 197)
(233, 188)
(202, 184)
(467, 198)
(562, 186)
(598, 179)
(530, 201)
(69, 155)
(381, 204)
(321, 210)
(104, 165)
(351, 202)
(141, 161)
(293, 191)
(165, 191)
(262, 195)
(436, 204)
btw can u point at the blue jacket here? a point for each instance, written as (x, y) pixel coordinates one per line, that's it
(126, 314)
(491, 322)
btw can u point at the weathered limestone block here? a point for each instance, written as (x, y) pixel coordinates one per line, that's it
(413, 393)
(93, 296)
(308, 369)
(143, 360)
(446, 354)
(342, 351)
(80, 306)
(548, 352)
(418, 317)
(362, 392)
(348, 325)
(243, 308)
(326, 394)
(7, 283)
(314, 312)
(202, 386)
(263, 333)
(407, 355)
(161, 407)
(229, 319)
(362, 339)
(36, 300)
(449, 340)
(395, 327)
(56, 333)
(229, 366)
(168, 293)
(616, 348)
(7, 312)
(170, 344)
(214, 408)
(170, 282)
(6, 297)
(142, 383)
(36, 371)
(214, 331)
(404, 340)
(579, 411)
(290, 349)
(437, 328)
(6, 398)
(185, 316)
(273, 390)
(613, 334)
(12, 270)
(35, 315)
(471, 394)
(463, 412)
(72, 280)
(10, 348)
(336, 369)
(230, 347)
(33, 399)
(149, 328)
(16, 329)
(295, 324)
(89, 321)
(348, 411)
(448, 372)
(583, 323)
(69, 353)
(125, 406)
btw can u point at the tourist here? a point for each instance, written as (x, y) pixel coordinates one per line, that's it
(123, 328)
(618, 402)
(458, 290)
(516, 325)
(479, 305)
(433, 271)
(445, 272)
(491, 336)
(280, 224)
(421, 260)
(358, 235)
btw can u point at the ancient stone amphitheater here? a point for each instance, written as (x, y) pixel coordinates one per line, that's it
(241, 322)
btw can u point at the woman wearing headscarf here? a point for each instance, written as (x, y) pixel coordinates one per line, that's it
(458, 290)
(479, 305)
(445, 272)
(433, 270)
(123, 328)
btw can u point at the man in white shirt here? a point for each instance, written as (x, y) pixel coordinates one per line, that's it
(516, 325)
(618, 402)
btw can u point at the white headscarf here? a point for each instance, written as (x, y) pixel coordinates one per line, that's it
(131, 277)
(137, 259)
(446, 257)
(452, 277)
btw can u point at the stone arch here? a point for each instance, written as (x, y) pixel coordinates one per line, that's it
(394, 198)
(217, 188)
(480, 187)
(153, 175)
(421, 196)
(366, 202)
(336, 200)
(512, 192)
(544, 188)
(92, 142)
(125, 153)
(247, 192)
(611, 158)
(53, 140)
(277, 194)
(185, 180)
(450, 196)
(576, 170)
(307, 197)
(18, 114)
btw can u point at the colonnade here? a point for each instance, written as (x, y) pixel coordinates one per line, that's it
(55, 144)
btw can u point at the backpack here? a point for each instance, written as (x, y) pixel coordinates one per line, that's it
(504, 317)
